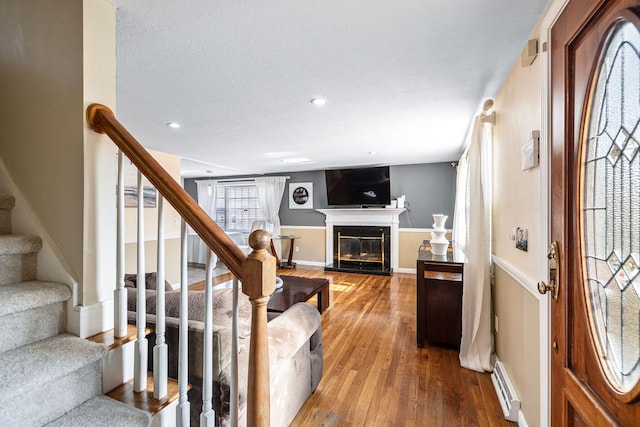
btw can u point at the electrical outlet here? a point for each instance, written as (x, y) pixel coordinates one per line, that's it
(297, 248)
(495, 323)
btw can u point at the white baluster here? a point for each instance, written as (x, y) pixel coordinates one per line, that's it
(183, 408)
(161, 349)
(120, 293)
(233, 389)
(207, 415)
(141, 349)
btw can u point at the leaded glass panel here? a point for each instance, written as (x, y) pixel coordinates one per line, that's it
(611, 208)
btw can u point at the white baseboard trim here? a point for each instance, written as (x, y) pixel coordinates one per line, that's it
(87, 320)
(522, 279)
(310, 263)
(406, 270)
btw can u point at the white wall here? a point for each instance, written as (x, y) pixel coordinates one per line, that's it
(171, 229)
(57, 57)
(41, 139)
(99, 220)
(516, 203)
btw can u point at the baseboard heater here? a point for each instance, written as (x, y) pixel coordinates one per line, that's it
(507, 396)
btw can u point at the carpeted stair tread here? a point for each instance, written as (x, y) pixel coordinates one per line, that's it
(18, 297)
(44, 361)
(7, 201)
(102, 411)
(13, 244)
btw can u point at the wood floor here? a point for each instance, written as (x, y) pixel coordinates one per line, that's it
(375, 375)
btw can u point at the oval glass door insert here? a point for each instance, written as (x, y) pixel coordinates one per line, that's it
(610, 207)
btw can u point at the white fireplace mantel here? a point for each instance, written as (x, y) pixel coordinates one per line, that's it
(383, 217)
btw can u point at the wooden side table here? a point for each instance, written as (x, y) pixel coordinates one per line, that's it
(439, 297)
(289, 263)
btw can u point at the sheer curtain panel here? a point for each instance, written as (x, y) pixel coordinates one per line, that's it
(207, 201)
(472, 234)
(270, 191)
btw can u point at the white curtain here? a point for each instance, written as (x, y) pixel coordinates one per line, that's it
(207, 201)
(270, 191)
(472, 234)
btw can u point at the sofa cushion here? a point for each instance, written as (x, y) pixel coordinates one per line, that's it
(221, 301)
(150, 279)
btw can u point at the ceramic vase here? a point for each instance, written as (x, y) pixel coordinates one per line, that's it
(439, 243)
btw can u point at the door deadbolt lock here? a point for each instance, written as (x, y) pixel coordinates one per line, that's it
(553, 285)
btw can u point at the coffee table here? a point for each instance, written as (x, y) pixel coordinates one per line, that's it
(299, 289)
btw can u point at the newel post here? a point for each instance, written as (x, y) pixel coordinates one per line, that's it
(258, 282)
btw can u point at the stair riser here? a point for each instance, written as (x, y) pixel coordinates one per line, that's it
(46, 402)
(33, 325)
(5, 221)
(18, 268)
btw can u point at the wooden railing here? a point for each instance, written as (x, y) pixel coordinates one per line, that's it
(256, 271)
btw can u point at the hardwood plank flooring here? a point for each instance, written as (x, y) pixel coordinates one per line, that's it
(374, 373)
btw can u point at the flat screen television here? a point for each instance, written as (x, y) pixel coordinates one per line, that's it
(358, 187)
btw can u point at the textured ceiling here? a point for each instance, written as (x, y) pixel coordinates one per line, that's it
(402, 79)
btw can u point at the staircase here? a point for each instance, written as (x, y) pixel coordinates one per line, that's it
(47, 377)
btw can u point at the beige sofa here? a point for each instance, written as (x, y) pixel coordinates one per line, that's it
(295, 352)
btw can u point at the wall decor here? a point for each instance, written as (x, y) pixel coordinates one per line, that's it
(131, 187)
(301, 195)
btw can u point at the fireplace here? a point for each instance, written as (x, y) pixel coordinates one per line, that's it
(360, 261)
(361, 249)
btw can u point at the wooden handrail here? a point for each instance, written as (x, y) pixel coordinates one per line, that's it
(258, 268)
(102, 120)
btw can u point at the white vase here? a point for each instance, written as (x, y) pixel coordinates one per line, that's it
(438, 221)
(439, 243)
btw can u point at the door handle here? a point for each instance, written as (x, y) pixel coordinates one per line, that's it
(553, 284)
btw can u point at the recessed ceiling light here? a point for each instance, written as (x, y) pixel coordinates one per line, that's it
(295, 160)
(173, 125)
(277, 154)
(318, 101)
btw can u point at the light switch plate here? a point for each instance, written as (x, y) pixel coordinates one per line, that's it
(530, 156)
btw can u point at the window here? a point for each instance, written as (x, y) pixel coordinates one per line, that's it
(237, 205)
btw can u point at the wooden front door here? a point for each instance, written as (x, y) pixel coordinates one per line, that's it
(595, 213)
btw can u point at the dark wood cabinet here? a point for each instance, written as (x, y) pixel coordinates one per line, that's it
(439, 282)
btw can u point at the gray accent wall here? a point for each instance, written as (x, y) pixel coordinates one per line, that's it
(428, 188)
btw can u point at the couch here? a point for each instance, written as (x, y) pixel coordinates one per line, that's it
(295, 351)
